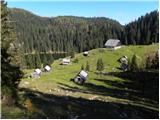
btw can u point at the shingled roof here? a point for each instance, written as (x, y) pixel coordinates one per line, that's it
(112, 43)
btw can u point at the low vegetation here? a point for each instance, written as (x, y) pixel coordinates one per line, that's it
(113, 94)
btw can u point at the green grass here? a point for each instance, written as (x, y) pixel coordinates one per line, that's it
(63, 74)
(104, 88)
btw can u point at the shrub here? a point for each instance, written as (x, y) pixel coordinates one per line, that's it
(76, 60)
(155, 61)
(8, 95)
(148, 62)
(101, 50)
(152, 60)
(30, 107)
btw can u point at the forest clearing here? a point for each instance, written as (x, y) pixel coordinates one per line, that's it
(100, 96)
(79, 60)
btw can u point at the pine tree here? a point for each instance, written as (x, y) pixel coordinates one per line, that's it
(148, 37)
(37, 60)
(82, 67)
(100, 65)
(129, 65)
(134, 63)
(138, 36)
(87, 66)
(11, 73)
(72, 53)
(45, 60)
(148, 62)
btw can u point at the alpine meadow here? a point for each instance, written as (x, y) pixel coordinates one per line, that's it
(78, 67)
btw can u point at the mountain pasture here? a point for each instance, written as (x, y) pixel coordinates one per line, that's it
(105, 95)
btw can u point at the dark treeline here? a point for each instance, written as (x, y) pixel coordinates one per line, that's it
(40, 60)
(62, 33)
(145, 30)
(66, 33)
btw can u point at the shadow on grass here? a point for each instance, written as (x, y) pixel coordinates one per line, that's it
(53, 106)
(91, 88)
(142, 87)
(147, 82)
(122, 95)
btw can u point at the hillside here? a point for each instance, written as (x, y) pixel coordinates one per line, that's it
(64, 33)
(37, 34)
(53, 95)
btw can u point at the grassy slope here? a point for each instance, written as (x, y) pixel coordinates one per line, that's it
(103, 88)
(63, 74)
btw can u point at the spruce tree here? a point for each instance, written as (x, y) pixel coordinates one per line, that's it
(129, 64)
(87, 66)
(37, 60)
(10, 71)
(134, 63)
(148, 62)
(72, 53)
(82, 67)
(100, 65)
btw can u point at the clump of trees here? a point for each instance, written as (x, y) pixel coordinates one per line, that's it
(142, 68)
(10, 71)
(150, 61)
(143, 30)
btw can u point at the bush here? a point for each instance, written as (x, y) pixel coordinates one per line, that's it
(148, 61)
(155, 61)
(30, 107)
(76, 60)
(101, 50)
(152, 61)
(7, 95)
